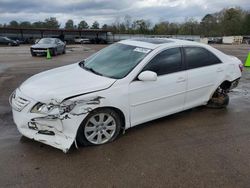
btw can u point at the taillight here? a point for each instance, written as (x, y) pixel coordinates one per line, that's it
(241, 67)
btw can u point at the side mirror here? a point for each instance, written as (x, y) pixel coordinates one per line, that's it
(147, 76)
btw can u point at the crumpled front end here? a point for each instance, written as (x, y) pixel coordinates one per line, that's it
(54, 123)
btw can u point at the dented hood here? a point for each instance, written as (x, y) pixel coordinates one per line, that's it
(63, 82)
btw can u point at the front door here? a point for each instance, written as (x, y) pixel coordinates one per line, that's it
(154, 99)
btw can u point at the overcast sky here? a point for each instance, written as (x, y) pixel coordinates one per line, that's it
(106, 11)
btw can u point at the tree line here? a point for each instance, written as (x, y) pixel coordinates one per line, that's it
(50, 23)
(231, 21)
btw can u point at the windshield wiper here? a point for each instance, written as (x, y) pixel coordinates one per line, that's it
(89, 69)
(92, 70)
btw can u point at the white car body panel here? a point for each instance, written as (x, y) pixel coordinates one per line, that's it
(167, 90)
(64, 82)
(138, 101)
(199, 90)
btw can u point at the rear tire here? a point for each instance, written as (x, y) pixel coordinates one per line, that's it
(99, 127)
(219, 100)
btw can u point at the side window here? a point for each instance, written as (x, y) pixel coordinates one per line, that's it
(199, 57)
(168, 61)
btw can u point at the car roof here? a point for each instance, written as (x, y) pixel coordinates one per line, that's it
(153, 43)
(48, 38)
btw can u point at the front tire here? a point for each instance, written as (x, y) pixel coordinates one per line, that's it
(54, 52)
(99, 127)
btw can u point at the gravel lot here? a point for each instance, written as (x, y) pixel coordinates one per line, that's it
(197, 148)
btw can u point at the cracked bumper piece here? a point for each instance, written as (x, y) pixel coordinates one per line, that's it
(50, 130)
(45, 132)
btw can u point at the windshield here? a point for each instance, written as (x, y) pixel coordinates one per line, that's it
(6, 38)
(115, 61)
(46, 41)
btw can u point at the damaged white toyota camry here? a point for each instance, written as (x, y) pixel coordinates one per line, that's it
(125, 84)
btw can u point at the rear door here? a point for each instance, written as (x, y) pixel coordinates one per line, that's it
(204, 70)
(153, 99)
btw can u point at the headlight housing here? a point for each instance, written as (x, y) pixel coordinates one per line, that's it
(77, 107)
(52, 109)
(42, 108)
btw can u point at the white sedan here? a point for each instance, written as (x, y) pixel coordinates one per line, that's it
(125, 84)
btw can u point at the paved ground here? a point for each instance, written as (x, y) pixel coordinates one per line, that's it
(196, 148)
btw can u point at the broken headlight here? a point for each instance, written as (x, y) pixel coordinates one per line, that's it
(66, 107)
(42, 108)
(52, 109)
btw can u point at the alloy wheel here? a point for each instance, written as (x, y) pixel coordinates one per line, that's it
(100, 128)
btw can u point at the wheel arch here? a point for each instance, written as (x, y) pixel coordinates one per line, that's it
(81, 142)
(117, 110)
(226, 84)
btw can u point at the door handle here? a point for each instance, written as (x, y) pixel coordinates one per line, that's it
(181, 79)
(219, 70)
